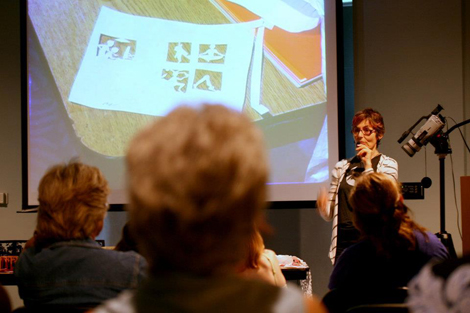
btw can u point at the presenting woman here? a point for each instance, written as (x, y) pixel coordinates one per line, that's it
(368, 129)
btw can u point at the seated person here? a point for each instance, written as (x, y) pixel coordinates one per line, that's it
(127, 241)
(262, 263)
(197, 190)
(63, 264)
(393, 248)
(441, 287)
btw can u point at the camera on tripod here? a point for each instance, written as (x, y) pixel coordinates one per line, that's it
(433, 126)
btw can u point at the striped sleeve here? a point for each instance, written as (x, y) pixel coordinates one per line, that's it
(388, 166)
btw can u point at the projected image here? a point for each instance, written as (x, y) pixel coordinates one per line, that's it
(118, 65)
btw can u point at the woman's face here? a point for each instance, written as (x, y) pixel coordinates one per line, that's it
(365, 134)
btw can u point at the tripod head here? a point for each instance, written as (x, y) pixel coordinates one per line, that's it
(441, 144)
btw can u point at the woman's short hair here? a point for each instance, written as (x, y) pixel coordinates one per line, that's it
(197, 184)
(374, 118)
(380, 214)
(72, 201)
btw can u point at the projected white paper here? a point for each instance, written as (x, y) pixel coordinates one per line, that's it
(125, 68)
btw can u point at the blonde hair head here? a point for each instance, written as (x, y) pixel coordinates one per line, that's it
(197, 184)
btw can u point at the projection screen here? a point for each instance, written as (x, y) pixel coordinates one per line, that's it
(97, 71)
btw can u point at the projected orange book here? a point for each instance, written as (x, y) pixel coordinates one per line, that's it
(298, 55)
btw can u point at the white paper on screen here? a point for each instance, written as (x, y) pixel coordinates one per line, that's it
(135, 64)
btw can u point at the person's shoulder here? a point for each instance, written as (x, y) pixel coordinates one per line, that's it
(355, 254)
(388, 166)
(431, 245)
(361, 246)
(386, 159)
(342, 163)
(123, 303)
(427, 236)
(122, 257)
(126, 254)
(270, 253)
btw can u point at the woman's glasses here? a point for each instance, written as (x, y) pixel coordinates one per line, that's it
(366, 131)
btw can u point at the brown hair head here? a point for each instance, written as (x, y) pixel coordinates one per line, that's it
(380, 214)
(374, 118)
(72, 202)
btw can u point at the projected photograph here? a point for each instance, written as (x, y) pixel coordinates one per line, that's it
(98, 71)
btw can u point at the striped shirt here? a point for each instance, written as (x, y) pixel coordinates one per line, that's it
(386, 165)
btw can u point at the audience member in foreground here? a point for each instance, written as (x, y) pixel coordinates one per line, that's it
(441, 287)
(262, 263)
(63, 264)
(197, 190)
(393, 248)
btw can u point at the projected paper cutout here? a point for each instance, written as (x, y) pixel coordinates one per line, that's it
(179, 52)
(178, 80)
(212, 53)
(208, 80)
(132, 61)
(112, 48)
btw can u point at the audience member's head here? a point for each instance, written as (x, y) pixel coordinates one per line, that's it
(72, 203)
(127, 241)
(197, 183)
(380, 214)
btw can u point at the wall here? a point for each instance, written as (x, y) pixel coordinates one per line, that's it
(311, 244)
(409, 58)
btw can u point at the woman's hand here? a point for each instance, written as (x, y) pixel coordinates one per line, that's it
(365, 153)
(322, 202)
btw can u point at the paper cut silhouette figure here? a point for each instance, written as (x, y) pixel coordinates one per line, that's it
(176, 79)
(180, 53)
(207, 80)
(105, 50)
(211, 54)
